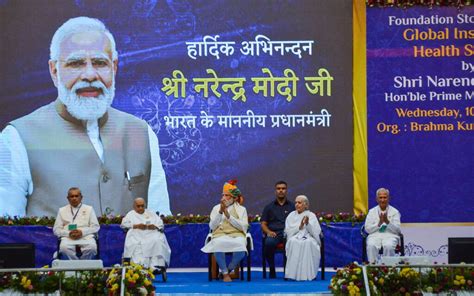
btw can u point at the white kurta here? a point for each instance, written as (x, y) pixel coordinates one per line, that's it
(147, 247)
(302, 247)
(227, 243)
(387, 239)
(16, 183)
(85, 219)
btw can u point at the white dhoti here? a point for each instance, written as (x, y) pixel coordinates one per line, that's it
(149, 248)
(88, 248)
(376, 241)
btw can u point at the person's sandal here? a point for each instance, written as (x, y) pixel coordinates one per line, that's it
(227, 278)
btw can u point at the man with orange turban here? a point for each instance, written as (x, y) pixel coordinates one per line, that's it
(229, 223)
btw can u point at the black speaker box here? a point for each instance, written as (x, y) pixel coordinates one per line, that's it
(460, 249)
(17, 255)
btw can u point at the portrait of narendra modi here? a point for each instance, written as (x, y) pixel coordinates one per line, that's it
(79, 139)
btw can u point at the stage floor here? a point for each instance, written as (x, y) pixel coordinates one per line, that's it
(195, 282)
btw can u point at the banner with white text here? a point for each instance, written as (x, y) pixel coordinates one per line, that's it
(258, 91)
(420, 105)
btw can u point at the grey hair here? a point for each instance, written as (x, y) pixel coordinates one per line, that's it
(79, 25)
(137, 199)
(380, 190)
(304, 198)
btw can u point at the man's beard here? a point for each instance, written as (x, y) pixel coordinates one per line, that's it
(87, 108)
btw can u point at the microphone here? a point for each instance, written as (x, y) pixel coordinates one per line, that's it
(127, 176)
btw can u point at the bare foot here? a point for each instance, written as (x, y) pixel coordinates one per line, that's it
(227, 278)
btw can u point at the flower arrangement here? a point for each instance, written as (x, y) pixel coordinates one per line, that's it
(138, 281)
(177, 219)
(185, 219)
(340, 217)
(110, 219)
(349, 281)
(442, 279)
(33, 282)
(5, 281)
(87, 283)
(15, 221)
(395, 281)
(401, 281)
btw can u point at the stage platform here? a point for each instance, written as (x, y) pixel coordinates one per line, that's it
(195, 282)
(343, 243)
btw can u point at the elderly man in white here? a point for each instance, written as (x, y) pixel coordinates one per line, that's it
(303, 244)
(76, 225)
(229, 223)
(383, 226)
(145, 242)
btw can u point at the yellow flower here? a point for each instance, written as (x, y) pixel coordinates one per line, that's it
(405, 271)
(455, 282)
(381, 280)
(136, 276)
(114, 287)
(354, 277)
(357, 270)
(147, 282)
(26, 284)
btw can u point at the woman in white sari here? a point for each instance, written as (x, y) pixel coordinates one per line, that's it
(302, 246)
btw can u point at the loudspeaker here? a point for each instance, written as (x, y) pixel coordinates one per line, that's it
(17, 255)
(460, 249)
